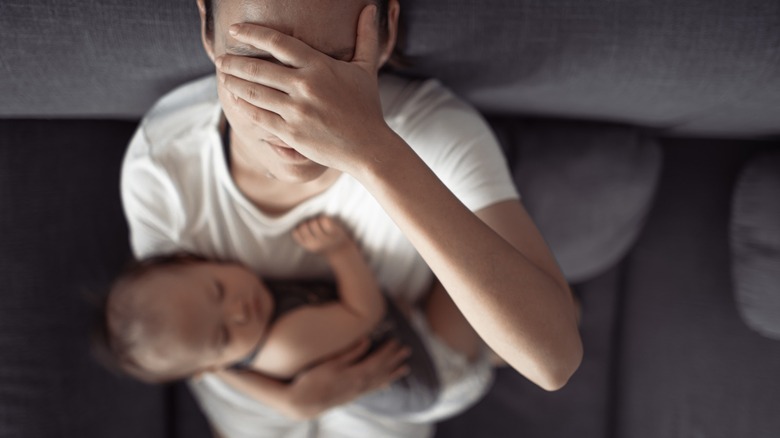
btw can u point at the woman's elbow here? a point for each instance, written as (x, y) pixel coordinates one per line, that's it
(557, 375)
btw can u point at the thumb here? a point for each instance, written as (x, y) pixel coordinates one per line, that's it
(367, 41)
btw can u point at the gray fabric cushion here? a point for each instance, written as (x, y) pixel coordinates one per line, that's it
(755, 244)
(588, 187)
(693, 66)
(690, 65)
(62, 236)
(100, 59)
(688, 366)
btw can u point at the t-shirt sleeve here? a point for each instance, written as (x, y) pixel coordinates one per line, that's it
(151, 204)
(459, 146)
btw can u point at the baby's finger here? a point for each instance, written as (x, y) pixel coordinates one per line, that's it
(326, 224)
(312, 228)
(296, 233)
(318, 225)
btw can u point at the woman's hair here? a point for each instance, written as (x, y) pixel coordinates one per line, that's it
(115, 339)
(397, 58)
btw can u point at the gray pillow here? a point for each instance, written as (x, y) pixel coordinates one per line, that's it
(588, 187)
(755, 244)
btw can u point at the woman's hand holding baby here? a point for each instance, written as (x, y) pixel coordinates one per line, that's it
(333, 382)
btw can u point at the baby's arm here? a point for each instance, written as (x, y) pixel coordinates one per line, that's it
(357, 287)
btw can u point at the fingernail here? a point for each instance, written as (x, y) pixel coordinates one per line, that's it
(233, 29)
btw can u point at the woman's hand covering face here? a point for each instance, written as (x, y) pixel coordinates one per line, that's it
(326, 109)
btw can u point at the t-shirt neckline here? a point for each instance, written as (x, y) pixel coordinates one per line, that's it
(221, 154)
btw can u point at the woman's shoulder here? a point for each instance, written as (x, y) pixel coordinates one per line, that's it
(184, 110)
(403, 95)
(407, 102)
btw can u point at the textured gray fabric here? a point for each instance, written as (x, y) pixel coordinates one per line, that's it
(694, 66)
(688, 365)
(755, 244)
(98, 58)
(588, 187)
(62, 236)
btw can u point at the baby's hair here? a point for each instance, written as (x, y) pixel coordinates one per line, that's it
(113, 340)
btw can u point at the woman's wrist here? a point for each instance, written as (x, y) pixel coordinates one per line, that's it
(388, 153)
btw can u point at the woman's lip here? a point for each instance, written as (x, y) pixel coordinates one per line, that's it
(288, 152)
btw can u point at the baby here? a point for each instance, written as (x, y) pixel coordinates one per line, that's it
(176, 316)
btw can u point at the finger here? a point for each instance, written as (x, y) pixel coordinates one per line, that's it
(326, 225)
(402, 371)
(388, 379)
(296, 233)
(380, 358)
(305, 235)
(256, 94)
(311, 228)
(391, 369)
(269, 120)
(288, 50)
(319, 226)
(367, 41)
(354, 353)
(260, 71)
(399, 358)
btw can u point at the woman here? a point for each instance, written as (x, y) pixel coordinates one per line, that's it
(298, 123)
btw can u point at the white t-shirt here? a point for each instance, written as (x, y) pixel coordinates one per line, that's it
(178, 193)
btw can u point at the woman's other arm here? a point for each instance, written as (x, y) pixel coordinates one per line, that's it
(494, 264)
(338, 380)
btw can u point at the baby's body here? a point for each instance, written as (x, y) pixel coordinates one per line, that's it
(309, 334)
(189, 316)
(186, 315)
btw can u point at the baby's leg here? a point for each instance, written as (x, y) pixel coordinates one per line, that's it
(450, 325)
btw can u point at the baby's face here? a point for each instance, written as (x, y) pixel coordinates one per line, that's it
(211, 316)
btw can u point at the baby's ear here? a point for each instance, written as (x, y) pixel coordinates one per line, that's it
(199, 375)
(212, 369)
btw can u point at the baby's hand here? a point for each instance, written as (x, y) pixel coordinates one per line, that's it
(321, 234)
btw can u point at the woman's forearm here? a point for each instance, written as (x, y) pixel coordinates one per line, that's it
(524, 313)
(268, 391)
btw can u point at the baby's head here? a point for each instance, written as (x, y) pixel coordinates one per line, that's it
(174, 316)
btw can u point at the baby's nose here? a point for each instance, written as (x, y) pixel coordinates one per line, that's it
(239, 312)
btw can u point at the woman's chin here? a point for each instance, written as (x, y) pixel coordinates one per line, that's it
(299, 173)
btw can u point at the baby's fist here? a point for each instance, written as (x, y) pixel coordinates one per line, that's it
(320, 234)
